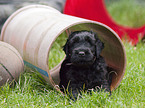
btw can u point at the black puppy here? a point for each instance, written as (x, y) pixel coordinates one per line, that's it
(83, 68)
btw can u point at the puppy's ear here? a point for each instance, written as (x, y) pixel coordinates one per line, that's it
(99, 47)
(66, 49)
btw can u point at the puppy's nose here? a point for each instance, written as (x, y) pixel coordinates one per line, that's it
(82, 53)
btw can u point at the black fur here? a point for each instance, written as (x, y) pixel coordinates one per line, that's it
(83, 68)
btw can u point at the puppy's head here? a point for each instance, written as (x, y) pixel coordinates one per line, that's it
(83, 47)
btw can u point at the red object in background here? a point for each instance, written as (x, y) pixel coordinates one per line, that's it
(96, 10)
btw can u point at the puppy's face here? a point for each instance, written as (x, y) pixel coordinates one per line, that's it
(81, 48)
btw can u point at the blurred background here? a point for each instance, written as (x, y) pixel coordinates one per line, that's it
(125, 12)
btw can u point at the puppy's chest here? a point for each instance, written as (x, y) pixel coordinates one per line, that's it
(82, 75)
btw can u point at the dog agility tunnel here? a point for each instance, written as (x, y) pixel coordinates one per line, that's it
(33, 29)
(11, 64)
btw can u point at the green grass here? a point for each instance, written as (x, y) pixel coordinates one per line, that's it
(127, 12)
(57, 54)
(31, 91)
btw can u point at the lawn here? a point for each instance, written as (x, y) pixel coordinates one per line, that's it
(31, 91)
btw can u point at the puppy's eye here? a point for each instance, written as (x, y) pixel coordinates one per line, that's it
(89, 39)
(75, 40)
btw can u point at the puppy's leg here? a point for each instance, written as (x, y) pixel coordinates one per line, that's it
(74, 90)
(105, 86)
(102, 68)
(73, 94)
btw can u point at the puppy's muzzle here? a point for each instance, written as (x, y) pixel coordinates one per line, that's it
(82, 52)
(82, 56)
